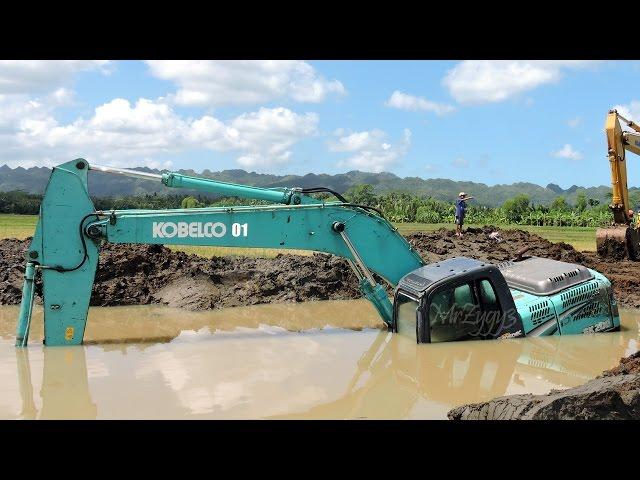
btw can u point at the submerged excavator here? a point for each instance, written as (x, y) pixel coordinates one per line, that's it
(454, 299)
(622, 238)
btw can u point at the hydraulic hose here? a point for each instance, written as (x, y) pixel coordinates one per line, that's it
(341, 198)
(60, 269)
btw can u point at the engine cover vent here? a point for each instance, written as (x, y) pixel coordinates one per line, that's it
(578, 295)
(540, 312)
(505, 264)
(543, 276)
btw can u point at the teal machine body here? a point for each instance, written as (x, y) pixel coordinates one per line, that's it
(65, 247)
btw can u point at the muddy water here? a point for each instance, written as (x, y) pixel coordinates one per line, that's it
(279, 361)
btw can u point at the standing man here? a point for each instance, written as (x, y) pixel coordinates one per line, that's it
(461, 210)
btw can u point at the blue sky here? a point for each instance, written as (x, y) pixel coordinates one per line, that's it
(485, 121)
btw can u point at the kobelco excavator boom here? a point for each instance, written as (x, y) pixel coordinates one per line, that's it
(66, 242)
(455, 299)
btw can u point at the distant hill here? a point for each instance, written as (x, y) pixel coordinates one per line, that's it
(34, 180)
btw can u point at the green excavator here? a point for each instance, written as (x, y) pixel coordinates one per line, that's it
(455, 299)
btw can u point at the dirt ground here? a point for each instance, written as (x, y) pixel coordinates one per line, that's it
(151, 274)
(614, 395)
(146, 274)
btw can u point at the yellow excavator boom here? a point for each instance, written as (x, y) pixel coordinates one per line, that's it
(623, 234)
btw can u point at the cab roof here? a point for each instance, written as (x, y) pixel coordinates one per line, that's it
(420, 279)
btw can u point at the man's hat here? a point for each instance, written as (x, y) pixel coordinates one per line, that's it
(462, 194)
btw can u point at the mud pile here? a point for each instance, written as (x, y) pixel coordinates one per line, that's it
(627, 365)
(614, 395)
(12, 262)
(145, 274)
(490, 244)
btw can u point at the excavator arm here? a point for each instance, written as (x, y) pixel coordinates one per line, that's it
(623, 235)
(618, 142)
(65, 247)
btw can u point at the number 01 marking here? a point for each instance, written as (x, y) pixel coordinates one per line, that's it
(238, 229)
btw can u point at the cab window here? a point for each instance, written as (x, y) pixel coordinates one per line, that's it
(453, 314)
(406, 315)
(488, 297)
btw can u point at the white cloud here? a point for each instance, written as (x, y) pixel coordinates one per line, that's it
(267, 135)
(30, 91)
(147, 116)
(485, 81)
(15, 108)
(568, 152)
(431, 168)
(37, 76)
(460, 163)
(120, 133)
(404, 101)
(574, 122)
(370, 150)
(218, 82)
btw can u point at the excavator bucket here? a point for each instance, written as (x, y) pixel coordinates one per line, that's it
(618, 242)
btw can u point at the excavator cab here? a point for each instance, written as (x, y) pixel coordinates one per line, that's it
(453, 300)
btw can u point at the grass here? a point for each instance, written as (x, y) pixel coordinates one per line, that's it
(582, 238)
(17, 226)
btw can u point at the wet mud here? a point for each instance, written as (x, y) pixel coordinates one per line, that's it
(154, 274)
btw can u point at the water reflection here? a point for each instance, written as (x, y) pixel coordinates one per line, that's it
(269, 372)
(145, 325)
(29, 410)
(396, 378)
(65, 386)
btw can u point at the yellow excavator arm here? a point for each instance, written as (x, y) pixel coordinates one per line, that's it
(617, 142)
(624, 232)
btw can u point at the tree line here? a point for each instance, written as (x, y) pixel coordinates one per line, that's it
(396, 206)
(519, 210)
(22, 203)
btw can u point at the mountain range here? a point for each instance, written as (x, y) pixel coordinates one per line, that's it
(34, 180)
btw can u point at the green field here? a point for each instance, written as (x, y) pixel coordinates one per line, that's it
(582, 238)
(17, 226)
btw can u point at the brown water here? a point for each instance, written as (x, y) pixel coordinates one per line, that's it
(155, 362)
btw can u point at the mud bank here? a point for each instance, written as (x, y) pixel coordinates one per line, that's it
(614, 395)
(148, 274)
(484, 244)
(151, 274)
